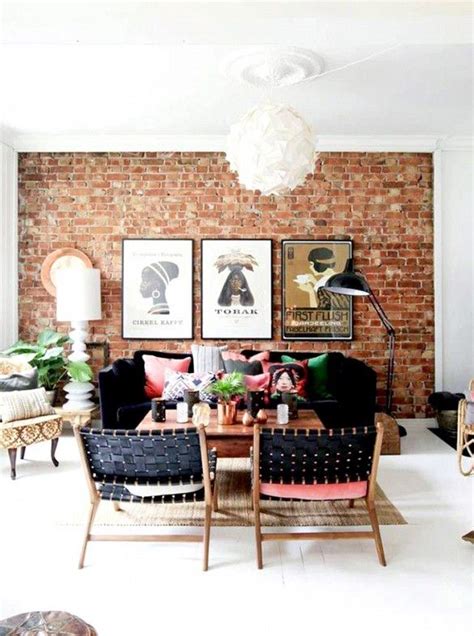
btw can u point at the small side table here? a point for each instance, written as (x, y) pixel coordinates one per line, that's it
(77, 418)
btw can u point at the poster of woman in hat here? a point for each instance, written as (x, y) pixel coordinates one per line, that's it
(309, 312)
(157, 289)
(236, 288)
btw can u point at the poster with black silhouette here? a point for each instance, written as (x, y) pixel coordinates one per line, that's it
(310, 312)
(157, 289)
(236, 289)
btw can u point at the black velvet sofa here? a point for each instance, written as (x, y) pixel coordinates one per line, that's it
(351, 382)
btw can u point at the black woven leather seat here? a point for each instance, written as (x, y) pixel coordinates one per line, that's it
(172, 466)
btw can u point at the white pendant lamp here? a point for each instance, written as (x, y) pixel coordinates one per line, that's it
(271, 147)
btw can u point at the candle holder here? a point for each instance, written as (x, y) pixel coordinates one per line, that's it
(191, 397)
(291, 399)
(181, 412)
(255, 402)
(158, 410)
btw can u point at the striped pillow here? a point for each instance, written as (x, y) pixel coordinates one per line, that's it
(23, 405)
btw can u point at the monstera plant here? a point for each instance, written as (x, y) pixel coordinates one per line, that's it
(47, 356)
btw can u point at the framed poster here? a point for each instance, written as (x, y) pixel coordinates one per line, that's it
(157, 289)
(236, 289)
(309, 312)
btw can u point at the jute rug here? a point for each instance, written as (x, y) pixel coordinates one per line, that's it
(235, 508)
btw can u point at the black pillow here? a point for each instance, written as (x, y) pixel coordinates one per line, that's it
(247, 368)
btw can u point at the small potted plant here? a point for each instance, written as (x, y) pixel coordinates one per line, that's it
(47, 356)
(226, 389)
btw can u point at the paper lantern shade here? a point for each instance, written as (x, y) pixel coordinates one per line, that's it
(271, 148)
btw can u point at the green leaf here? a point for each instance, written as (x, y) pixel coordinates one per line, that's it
(79, 371)
(54, 352)
(21, 347)
(49, 337)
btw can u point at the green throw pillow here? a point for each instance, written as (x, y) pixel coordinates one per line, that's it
(318, 376)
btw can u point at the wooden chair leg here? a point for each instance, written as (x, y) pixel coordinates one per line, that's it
(215, 501)
(258, 533)
(207, 536)
(12, 455)
(117, 507)
(90, 521)
(375, 527)
(351, 503)
(22, 452)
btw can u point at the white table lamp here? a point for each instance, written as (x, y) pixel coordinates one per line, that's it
(77, 302)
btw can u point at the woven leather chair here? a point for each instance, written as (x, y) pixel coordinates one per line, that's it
(316, 465)
(149, 467)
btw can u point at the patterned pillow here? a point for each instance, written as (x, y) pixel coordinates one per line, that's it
(288, 377)
(23, 405)
(176, 384)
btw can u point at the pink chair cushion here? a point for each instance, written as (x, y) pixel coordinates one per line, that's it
(316, 492)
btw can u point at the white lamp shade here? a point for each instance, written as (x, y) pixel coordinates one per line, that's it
(78, 295)
(271, 148)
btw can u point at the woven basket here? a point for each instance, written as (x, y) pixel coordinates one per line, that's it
(448, 422)
(391, 434)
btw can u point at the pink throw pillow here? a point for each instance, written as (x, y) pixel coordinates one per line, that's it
(235, 355)
(155, 372)
(257, 382)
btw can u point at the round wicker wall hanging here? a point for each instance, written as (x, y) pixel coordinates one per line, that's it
(64, 258)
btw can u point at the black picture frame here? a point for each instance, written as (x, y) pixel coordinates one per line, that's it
(190, 286)
(237, 335)
(314, 314)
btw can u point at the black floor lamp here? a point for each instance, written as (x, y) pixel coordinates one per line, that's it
(353, 283)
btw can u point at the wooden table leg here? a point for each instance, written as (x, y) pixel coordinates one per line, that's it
(12, 454)
(54, 445)
(22, 452)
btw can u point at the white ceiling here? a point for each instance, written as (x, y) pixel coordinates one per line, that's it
(154, 68)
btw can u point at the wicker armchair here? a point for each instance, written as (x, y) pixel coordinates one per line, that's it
(465, 439)
(147, 467)
(316, 465)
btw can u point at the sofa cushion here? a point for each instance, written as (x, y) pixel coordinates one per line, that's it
(243, 366)
(177, 383)
(259, 382)
(318, 376)
(155, 372)
(207, 358)
(288, 377)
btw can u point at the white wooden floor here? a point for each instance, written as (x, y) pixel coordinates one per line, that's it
(309, 587)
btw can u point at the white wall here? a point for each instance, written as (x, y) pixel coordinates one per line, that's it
(454, 268)
(8, 246)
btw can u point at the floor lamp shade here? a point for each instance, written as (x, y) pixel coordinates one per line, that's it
(78, 295)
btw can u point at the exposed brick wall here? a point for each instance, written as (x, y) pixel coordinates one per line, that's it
(383, 201)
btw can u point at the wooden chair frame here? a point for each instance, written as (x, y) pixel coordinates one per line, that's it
(369, 500)
(210, 502)
(465, 439)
